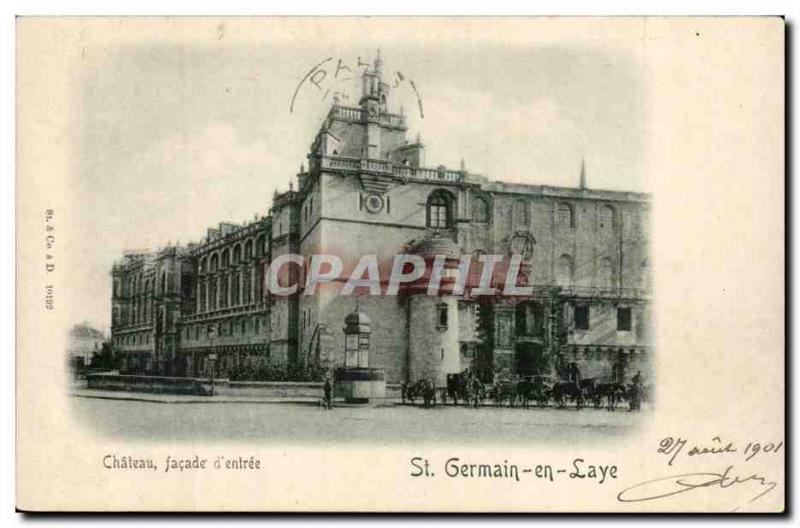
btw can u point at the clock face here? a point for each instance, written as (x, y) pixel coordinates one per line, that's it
(374, 203)
(373, 111)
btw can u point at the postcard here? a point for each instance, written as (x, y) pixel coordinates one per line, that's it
(400, 264)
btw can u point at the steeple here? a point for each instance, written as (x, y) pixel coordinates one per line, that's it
(374, 92)
(378, 63)
(583, 173)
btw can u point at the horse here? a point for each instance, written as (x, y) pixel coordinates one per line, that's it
(613, 393)
(565, 391)
(525, 392)
(505, 391)
(539, 390)
(533, 389)
(418, 389)
(457, 387)
(424, 388)
(476, 393)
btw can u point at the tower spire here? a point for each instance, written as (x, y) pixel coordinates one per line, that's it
(378, 61)
(583, 173)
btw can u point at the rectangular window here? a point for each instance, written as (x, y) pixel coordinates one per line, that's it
(442, 316)
(581, 317)
(439, 216)
(623, 319)
(504, 324)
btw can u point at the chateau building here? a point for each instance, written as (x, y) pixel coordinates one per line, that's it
(367, 190)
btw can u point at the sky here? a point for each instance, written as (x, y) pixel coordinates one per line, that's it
(174, 137)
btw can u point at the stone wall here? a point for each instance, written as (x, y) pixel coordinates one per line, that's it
(222, 387)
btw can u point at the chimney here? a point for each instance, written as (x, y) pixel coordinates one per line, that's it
(583, 173)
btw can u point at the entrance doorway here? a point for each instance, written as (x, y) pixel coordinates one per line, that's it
(530, 359)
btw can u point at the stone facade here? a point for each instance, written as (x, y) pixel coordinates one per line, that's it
(585, 252)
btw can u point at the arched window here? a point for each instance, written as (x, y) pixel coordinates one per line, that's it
(564, 218)
(212, 294)
(248, 250)
(260, 246)
(519, 214)
(236, 292)
(163, 282)
(246, 287)
(213, 265)
(223, 292)
(258, 285)
(607, 219)
(480, 210)
(237, 253)
(566, 270)
(605, 275)
(203, 264)
(440, 210)
(225, 259)
(522, 244)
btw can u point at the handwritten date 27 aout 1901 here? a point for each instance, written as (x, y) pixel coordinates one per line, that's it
(753, 484)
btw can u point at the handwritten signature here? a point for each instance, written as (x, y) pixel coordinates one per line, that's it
(672, 485)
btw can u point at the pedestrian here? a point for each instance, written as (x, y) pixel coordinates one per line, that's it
(636, 392)
(328, 399)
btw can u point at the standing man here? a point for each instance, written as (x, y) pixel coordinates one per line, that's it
(328, 398)
(636, 391)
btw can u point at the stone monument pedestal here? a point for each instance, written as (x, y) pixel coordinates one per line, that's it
(360, 385)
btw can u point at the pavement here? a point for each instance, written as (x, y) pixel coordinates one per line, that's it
(134, 416)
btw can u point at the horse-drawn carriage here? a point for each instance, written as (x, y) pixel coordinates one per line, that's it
(612, 393)
(424, 388)
(539, 390)
(535, 389)
(465, 386)
(589, 391)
